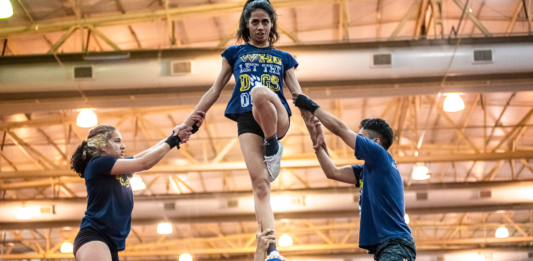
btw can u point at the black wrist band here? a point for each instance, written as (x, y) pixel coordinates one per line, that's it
(305, 103)
(173, 141)
(194, 128)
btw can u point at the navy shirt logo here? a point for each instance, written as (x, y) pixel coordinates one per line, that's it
(124, 181)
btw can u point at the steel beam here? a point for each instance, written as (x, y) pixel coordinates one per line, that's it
(299, 163)
(140, 17)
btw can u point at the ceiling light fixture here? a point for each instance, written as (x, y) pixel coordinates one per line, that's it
(502, 232)
(480, 257)
(420, 172)
(285, 240)
(185, 257)
(280, 202)
(23, 213)
(164, 228)
(453, 102)
(66, 247)
(137, 183)
(86, 119)
(6, 9)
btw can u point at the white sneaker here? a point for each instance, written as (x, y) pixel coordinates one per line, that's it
(273, 163)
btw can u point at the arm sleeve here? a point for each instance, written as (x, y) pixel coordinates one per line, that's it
(229, 54)
(368, 150)
(290, 62)
(102, 166)
(357, 169)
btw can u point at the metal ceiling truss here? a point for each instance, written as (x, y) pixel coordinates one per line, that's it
(464, 231)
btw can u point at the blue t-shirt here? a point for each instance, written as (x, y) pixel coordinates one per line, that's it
(381, 198)
(254, 66)
(109, 202)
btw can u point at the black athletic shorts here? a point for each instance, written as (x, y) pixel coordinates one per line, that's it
(246, 123)
(396, 249)
(88, 234)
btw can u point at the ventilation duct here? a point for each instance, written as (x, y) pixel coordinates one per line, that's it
(170, 206)
(482, 56)
(233, 203)
(350, 64)
(421, 196)
(382, 60)
(485, 194)
(180, 67)
(83, 72)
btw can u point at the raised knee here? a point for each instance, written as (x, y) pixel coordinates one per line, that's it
(261, 188)
(259, 93)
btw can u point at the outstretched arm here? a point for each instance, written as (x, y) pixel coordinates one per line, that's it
(343, 174)
(212, 95)
(332, 123)
(294, 87)
(150, 158)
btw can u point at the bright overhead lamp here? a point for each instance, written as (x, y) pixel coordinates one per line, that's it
(406, 218)
(531, 195)
(453, 102)
(6, 9)
(185, 257)
(66, 247)
(86, 118)
(280, 202)
(285, 240)
(164, 228)
(137, 183)
(502, 232)
(23, 213)
(420, 172)
(480, 257)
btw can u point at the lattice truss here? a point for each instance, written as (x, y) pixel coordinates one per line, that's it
(485, 146)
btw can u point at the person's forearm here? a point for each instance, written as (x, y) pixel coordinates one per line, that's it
(326, 163)
(332, 123)
(152, 157)
(142, 153)
(207, 101)
(260, 255)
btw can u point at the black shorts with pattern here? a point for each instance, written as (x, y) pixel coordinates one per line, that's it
(396, 249)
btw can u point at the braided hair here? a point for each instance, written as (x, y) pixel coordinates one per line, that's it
(96, 140)
(243, 33)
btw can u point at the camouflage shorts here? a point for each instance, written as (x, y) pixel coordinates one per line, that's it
(396, 249)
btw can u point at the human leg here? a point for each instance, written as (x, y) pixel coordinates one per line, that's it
(94, 250)
(269, 112)
(273, 118)
(252, 150)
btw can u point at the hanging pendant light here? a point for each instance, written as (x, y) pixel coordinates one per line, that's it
(502, 232)
(6, 9)
(285, 240)
(164, 228)
(420, 172)
(66, 247)
(453, 102)
(86, 119)
(137, 184)
(23, 213)
(185, 257)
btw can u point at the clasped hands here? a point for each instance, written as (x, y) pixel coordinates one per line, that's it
(185, 130)
(313, 124)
